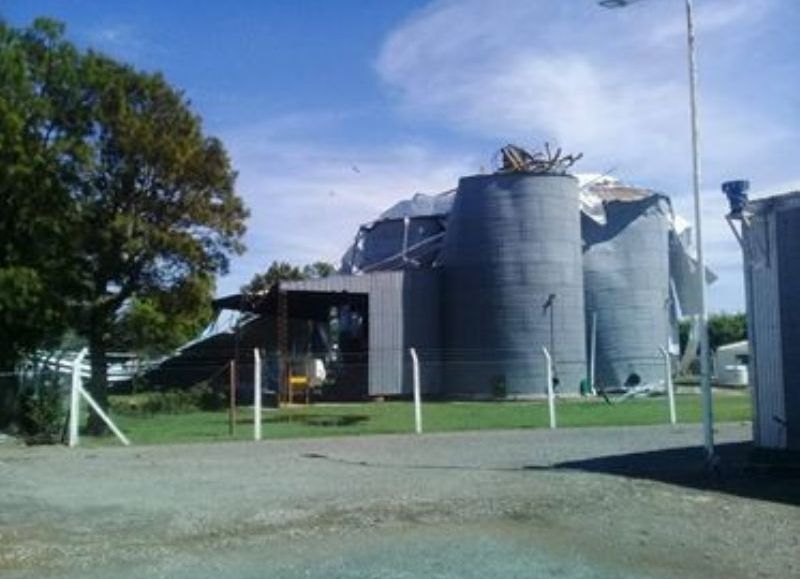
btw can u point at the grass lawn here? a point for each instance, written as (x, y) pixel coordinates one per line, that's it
(397, 417)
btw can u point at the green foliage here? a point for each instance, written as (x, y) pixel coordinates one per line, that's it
(499, 388)
(277, 271)
(723, 328)
(318, 269)
(726, 328)
(169, 402)
(284, 271)
(159, 321)
(8, 400)
(41, 412)
(198, 398)
(112, 201)
(42, 154)
(29, 312)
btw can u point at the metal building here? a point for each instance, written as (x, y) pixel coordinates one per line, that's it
(770, 239)
(480, 279)
(513, 283)
(401, 311)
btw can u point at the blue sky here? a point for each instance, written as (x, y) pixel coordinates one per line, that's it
(332, 110)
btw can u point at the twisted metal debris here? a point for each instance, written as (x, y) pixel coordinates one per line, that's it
(516, 159)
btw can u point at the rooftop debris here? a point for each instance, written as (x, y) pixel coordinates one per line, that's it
(516, 159)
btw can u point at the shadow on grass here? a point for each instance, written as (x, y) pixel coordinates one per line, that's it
(735, 475)
(323, 420)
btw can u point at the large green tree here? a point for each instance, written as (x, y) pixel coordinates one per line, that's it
(135, 206)
(157, 204)
(285, 271)
(156, 322)
(42, 153)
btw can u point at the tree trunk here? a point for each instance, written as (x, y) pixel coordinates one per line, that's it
(98, 384)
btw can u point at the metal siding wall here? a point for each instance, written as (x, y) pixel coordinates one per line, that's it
(385, 295)
(626, 277)
(788, 249)
(763, 318)
(513, 240)
(386, 333)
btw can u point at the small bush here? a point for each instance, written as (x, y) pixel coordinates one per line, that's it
(41, 413)
(169, 402)
(209, 398)
(8, 401)
(200, 397)
(499, 389)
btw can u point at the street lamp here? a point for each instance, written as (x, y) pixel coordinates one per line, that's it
(705, 378)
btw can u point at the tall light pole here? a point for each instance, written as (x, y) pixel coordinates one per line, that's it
(705, 377)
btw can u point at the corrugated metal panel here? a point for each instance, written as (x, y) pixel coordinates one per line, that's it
(626, 276)
(512, 241)
(763, 313)
(788, 249)
(385, 295)
(403, 312)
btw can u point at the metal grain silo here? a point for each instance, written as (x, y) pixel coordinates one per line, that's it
(513, 283)
(627, 281)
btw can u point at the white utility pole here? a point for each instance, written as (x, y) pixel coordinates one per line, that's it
(705, 374)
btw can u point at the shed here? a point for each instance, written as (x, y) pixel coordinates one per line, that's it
(402, 311)
(770, 237)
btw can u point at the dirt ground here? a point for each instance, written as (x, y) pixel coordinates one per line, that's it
(594, 503)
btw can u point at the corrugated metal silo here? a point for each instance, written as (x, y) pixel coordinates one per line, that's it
(627, 281)
(512, 246)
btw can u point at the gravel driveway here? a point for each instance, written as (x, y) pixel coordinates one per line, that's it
(600, 503)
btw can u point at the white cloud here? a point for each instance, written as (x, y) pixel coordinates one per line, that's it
(710, 18)
(610, 84)
(593, 90)
(122, 40)
(308, 197)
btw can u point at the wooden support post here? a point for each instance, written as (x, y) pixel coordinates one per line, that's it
(282, 326)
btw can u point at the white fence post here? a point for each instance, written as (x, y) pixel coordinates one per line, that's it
(75, 398)
(256, 394)
(76, 392)
(417, 394)
(551, 399)
(593, 354)
(673, 418)
(96, 407)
